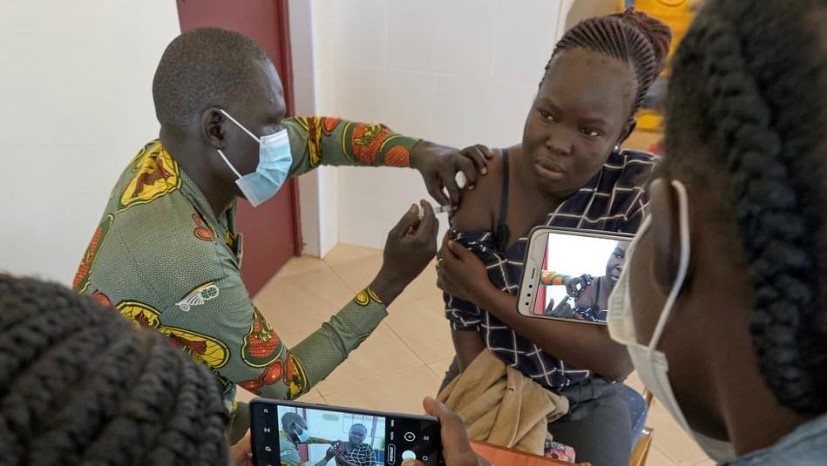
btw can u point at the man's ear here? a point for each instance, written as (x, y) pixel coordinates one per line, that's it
(631, 124)
(212, 125)
(665, 231)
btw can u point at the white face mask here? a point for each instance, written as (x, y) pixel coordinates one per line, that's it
(650, 363)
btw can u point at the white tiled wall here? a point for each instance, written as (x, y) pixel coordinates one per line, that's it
(76, 95)
(457, 72)
(313, 90)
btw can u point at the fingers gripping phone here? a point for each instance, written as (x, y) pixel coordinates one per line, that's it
(569, 274)
(288, 433)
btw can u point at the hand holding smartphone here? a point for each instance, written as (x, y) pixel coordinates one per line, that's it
(294, 433)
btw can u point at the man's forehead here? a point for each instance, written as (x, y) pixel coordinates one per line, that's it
(265, 84)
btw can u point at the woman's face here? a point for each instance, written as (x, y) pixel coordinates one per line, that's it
(357, 435)
(580, 113)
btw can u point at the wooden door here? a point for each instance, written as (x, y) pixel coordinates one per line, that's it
(271, 231)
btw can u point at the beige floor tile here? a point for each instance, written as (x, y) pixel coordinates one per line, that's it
(314, 397)
(402, 392)
(382, 354)
(358, 273)
(657, 458)
(422, 326)
(299, 303)
(440, 367)
(343, 253)
(246, 396)
(671, 440)
(301, 264)
(424, 286)
(707, 462)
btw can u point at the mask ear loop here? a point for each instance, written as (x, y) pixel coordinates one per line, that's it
(683, 266)
(240, 126)
(221, 153)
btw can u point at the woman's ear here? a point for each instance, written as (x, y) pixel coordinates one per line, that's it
(212, 124)
(630, 126)
(665, 231)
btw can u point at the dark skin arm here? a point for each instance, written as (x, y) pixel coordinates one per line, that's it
(463, 275)
(474, 215)
(410, 246)
(468, 344)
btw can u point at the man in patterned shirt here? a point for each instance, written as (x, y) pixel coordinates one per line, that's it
(295, 432)
(166, 253)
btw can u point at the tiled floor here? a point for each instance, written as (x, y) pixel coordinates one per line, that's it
(405, 358)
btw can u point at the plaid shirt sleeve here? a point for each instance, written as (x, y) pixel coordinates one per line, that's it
(639, 168)
(462, 314)
(465, 315)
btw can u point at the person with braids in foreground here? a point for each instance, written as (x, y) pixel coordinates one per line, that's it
(79, 385)
(723, 301)
(569, 171)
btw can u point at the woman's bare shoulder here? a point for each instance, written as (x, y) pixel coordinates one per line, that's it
(477, 211)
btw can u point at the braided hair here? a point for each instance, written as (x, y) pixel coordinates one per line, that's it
(632, 37)
(740, 129)
(80, 384)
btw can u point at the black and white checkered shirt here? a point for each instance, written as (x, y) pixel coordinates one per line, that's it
(361, 455)
(613, 201)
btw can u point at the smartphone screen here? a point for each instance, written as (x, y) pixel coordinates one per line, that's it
(570, 274)
(291, 434)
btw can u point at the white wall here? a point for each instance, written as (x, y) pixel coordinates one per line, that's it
(318, 189)
(76, 106)
(457, 72)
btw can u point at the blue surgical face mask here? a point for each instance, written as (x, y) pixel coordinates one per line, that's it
(304, 436)
(274, 161)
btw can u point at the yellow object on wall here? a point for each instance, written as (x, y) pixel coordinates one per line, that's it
(660, 6)
(677, 14)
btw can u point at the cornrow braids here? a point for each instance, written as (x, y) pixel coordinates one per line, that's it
(735, 89)
(632, 37)
(80, 384)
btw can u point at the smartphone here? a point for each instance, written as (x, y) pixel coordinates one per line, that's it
(570, 273)
(293, 433)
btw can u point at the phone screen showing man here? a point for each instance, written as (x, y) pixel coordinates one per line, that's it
(295, 434)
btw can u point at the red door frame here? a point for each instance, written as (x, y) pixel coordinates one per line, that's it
(257, 271)
(287, 82)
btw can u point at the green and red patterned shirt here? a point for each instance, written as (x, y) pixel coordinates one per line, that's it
(163, 259)
(551, 278)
